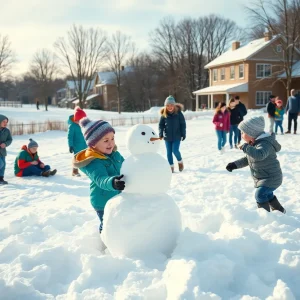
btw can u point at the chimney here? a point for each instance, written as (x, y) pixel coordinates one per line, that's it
(235, 45)
(268, 36)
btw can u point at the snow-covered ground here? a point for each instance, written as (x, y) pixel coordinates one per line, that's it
(50, 245)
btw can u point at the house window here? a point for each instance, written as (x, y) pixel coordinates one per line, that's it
(279, 48)
(223, 74)
(215, 74)
(262, 97)
(263, 70)
(232, 72)
(241, 71)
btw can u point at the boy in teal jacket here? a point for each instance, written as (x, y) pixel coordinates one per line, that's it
(5, 141)
(76, 140)
(279, 113)
(101, 162)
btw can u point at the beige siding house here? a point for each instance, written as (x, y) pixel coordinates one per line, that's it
(251, 72)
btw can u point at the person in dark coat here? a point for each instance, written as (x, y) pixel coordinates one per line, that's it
(243, 112)
(271, 109)
(172, 128)
(235, 119)
(292, 109)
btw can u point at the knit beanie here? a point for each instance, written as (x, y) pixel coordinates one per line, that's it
(79, 114)
(253, 127)
(2, 118)
(278, 102)
(32, 144)
(93, 131)
(170, 100)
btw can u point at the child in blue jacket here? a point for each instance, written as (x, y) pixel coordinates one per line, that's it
(101, 162)
(279, 112)
(76, 140)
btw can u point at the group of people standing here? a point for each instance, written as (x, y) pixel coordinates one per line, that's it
(226, 120)
(276, 112)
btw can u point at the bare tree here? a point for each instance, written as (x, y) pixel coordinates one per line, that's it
(82, 54)
(43, 68)
(7, 56)
(121, 49)
(280, 17)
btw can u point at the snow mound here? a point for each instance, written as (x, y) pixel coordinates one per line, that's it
(141, 226)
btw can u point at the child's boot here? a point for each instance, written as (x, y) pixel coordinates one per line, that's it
(172, 169)
(180, 166)
(52, 172)
(75, 172)
(264, 205)
(2, 181)
(275, 205)
(46, 173)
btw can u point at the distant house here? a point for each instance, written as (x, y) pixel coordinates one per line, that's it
(59, 96)
(250, 71)
(105, 85)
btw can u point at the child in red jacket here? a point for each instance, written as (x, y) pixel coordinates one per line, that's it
(222, 125)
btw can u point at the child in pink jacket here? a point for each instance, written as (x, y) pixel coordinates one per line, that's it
(222, 125)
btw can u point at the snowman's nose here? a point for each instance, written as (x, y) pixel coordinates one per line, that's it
(154, 139)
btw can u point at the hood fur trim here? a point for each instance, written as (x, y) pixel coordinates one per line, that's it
(178, 107)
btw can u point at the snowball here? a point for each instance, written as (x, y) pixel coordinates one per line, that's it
(147, 173)
(140, 226)
(138, 140)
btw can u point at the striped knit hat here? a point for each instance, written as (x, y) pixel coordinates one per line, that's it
(94, 131)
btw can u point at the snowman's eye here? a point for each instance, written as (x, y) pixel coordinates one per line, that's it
(143, 133)
(153, 133)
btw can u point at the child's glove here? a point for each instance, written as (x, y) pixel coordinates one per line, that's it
(118, 184)
(71, 149)
(230, 167)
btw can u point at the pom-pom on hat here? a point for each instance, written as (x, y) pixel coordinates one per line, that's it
(170, 100)
(79, 114)
(253, 127)
(93, 131)
(32, 144)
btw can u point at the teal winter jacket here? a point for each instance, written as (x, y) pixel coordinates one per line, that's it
(75, 136)
(101, 169)
(5, 137)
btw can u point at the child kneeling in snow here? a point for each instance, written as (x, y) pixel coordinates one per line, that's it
(27, 163)
(260, 149)
(101, 162)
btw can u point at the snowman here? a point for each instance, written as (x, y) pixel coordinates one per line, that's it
(143, 221)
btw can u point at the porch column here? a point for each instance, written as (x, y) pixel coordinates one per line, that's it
(197, 102)
(227, 98)
(212, 101)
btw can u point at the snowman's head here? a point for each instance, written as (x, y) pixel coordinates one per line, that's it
(140, 139)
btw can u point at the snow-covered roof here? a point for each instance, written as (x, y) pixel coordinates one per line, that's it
(110, 77)
(242, 53)
(221, 89)
(295, 71)
(90, 97)
(71, 84)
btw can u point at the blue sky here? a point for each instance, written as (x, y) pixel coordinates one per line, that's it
(35, 24)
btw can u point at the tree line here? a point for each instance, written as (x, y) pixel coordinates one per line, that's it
(174, 64)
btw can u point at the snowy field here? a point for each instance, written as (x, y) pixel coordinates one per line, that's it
(29, 113)
(228, 249)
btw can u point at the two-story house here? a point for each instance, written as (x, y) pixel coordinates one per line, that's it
(251, 71)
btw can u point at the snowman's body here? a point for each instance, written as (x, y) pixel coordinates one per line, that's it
(143, 220)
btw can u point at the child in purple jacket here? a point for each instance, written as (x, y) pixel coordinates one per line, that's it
(222, 125)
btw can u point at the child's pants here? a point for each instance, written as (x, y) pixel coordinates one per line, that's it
(264, 194)
(278, 124)
(100, 214)
(34, 170)
(221, 134)
(2, 165)
(173, 147)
